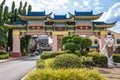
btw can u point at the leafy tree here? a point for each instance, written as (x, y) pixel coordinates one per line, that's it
(29, 8)
(2, 28)
(75, 36)
(25, 42)
(86, 43)
(69, 41)
(20, 8)
(9, 16)
(5, 14)
(24, 8)
(77, 40)
(72, 47)
(72, 43)
(12, 17)
(65, 38)
(13, 7)
(15, 15)
(1, 11)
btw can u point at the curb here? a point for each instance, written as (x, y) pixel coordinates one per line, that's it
(11, 59)
(3, 61)
(28, 73)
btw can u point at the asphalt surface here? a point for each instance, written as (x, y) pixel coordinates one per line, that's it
(18, 68)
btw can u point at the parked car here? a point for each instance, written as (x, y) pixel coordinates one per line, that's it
(36, 53)
(32, 54)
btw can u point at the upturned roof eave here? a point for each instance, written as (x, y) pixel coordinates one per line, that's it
(11, 26)
(25, 18)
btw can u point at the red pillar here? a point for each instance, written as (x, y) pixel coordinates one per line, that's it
(16, 44)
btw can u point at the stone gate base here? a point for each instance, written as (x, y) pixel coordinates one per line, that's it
(15, 54)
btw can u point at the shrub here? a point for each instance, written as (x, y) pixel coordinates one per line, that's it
(50, 55)
(87, 62)
(84, 53)
(100, 60)
(92, 54)
(103, 61)
(67, 74)
(83, 58)
(40, 64)
(77, 53)
(96, 59)
(116, 58)
(48, 63)
(4, 56)
(3, 52)
(67, 61)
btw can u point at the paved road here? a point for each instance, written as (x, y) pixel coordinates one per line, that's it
(16, 69)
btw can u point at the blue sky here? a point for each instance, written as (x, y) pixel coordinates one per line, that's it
(111, 8)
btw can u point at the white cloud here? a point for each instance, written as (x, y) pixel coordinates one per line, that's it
(40, 5)
(98, 9)
(54, 4)
(86, 2)
(75, 4)
(65, 7)
(59, 6)
(91, 5)
(112, 15)
(36, 6)
(96, 2)
(116, 28)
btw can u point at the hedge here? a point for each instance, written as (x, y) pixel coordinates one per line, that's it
(4, 56)
(3, 52)
(47, 63)
(87, 62)
(100, 60)
(50, 55)
(64, 74)
(92, 54)
(67, 61)
(40, 64)
(116, 58)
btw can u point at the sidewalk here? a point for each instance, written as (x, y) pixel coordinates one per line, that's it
(109, 73)
(6, 60)
(11, 59)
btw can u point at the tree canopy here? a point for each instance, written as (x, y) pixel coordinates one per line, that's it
(8, 15)
(75, 42)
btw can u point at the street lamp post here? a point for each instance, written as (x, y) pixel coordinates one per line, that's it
(8, 50)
